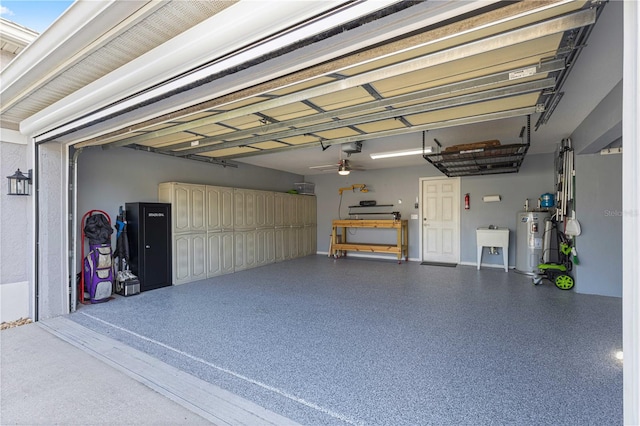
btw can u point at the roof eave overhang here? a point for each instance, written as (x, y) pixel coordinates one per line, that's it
(69, 35)
(214, 37)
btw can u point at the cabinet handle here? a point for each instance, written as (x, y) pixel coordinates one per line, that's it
(147, 246)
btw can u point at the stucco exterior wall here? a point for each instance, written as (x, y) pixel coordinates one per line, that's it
(53, 281)
(16, 246)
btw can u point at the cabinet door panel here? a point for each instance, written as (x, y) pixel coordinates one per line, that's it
(294, 243)
(226, 210)
(181, 259)
(264, 209)
(281, 244)
(265, 246)
(190, 258)
(310, 210)
(199, 257)
(220, 208)
(198, 208)
(238, 250)
(278, 209)
(214, 203)
(226, 252)
(220, 254)
(181, 208)
(270, 246)
(239, 221)
(250, 249)
(301, 211)
(214, 266)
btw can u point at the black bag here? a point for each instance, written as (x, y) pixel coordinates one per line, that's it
(98, 229)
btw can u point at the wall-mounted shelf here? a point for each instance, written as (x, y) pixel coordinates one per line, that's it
(396, 215)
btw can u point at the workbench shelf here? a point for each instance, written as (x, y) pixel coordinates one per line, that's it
(339, 244)
(394, 215)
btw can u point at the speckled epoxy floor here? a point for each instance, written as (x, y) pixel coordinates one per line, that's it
(354, 341)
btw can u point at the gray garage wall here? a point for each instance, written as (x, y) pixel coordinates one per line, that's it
(599, 211)
(534, 179)
(108, 179)
(599, 199)
(598, 196)
(390, 185)
(386, 186)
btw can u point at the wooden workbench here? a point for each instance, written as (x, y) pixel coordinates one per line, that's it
(339, 246)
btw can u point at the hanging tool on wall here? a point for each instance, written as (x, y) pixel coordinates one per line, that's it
(360, 186)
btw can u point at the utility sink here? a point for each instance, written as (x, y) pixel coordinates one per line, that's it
(493, 237)
(490, 237)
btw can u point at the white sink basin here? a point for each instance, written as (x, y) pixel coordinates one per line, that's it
(487, 237)
(492, 237)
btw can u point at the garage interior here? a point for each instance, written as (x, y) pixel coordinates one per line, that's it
(361, 339)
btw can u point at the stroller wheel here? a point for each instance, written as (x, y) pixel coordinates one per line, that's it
(564, 282)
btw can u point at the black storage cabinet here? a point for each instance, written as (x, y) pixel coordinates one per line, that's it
(149, 232)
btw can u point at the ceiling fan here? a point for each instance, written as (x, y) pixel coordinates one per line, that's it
(343, 167)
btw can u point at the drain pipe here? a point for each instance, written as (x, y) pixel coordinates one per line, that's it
(73, 224)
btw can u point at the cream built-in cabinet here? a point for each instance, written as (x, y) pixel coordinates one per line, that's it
(189, 229)
(219, 208)
(189, 257)
(219, 230)
(187, 206)
(219, 253)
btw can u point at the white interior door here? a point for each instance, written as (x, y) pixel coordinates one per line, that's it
(441, 220)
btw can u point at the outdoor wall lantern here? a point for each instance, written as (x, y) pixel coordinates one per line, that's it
(19, 184)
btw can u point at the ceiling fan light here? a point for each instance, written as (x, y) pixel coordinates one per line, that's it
(343, 168)
(401, 153)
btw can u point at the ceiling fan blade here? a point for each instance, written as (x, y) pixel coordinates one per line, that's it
(324, 166)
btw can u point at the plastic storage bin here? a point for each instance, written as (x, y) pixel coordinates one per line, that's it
(305, 188)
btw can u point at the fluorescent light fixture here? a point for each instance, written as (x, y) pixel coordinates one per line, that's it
(402, 153)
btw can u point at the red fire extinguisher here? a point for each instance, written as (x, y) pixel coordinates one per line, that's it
(466, 201)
